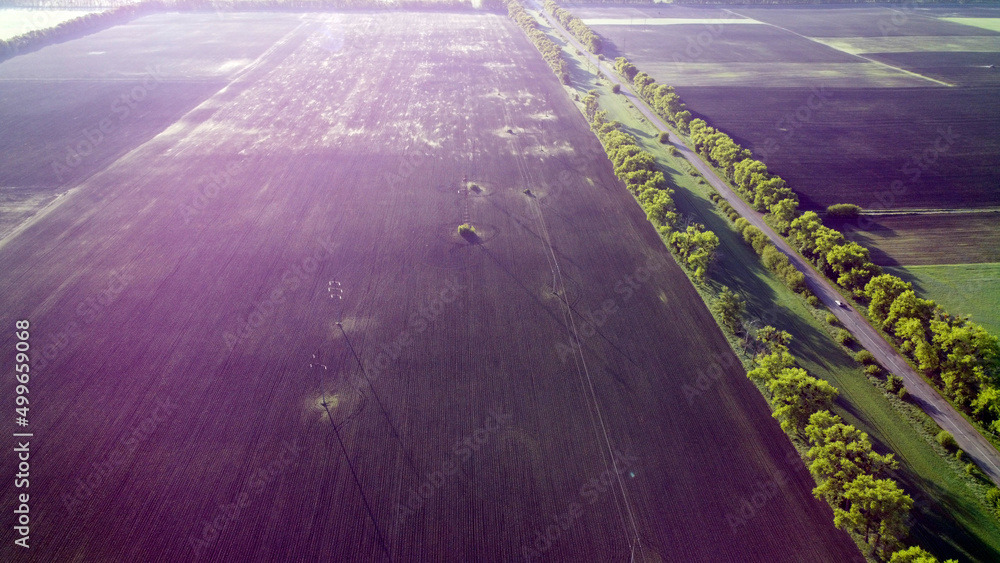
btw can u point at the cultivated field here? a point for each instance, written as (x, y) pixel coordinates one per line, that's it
(882, 107)
(264, 339)
(926, 239)
(121, 89)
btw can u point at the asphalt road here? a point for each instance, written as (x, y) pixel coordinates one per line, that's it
(979, 450)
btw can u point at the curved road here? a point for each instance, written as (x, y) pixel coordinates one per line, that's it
(980, 450)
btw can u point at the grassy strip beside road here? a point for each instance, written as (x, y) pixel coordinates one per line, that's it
(950, 517)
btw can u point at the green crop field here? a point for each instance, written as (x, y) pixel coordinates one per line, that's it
(992, 24)
(964, 289)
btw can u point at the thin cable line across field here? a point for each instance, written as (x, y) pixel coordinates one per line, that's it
(580, 362)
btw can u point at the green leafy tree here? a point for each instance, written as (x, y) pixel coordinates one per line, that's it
(881, 291)
(968, 357)
(695, 246)
(770, 365)
(843, 210)
(877, 511)
(747, 174)
(826, 240)
(915, 554)
(804, 232)
(772, 339)
(769, 192)
(853, 266)
(729, 307)
(840, 453)
(625, 68)
(909, 306)
(783, 213)
(796, 395)
(914, 341)
(986, 407)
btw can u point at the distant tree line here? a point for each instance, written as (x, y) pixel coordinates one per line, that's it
(550, 52)
(87, 23)
(583, 34)
(251, 5)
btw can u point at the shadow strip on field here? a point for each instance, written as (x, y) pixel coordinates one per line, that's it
(253, 73)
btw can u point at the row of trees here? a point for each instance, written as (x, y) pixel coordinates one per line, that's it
(583, 34)
(68, 3)
(662, 98)
(87, 23)
(852, 478)
(850, 475)
(694, 246)
(550, 52)
(961, 356)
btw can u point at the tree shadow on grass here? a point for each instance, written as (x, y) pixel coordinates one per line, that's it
(742, 270)
(931, 528)
(869, 237)
(908, 276)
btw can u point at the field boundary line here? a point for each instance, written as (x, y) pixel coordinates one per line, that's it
(880, 63)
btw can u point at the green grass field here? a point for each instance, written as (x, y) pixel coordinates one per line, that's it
(950, 518)
(962, 289)
(992, 24)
